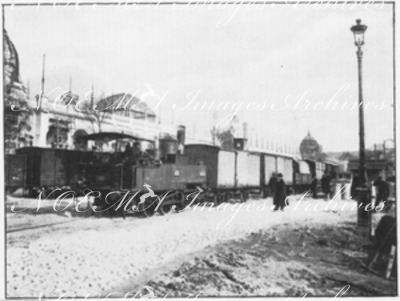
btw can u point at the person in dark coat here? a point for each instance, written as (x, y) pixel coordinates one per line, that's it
(314, 185)
(382, 191)
(280, 193)
(272, 185)
(128, 150)
(326, 186)
(136, 153)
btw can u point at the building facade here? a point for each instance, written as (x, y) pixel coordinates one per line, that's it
(64, 123)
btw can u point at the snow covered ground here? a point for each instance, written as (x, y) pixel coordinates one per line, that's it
(98, 255)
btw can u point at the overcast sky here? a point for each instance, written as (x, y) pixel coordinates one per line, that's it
(279, 57)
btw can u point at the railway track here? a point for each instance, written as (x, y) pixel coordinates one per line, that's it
(37, 226)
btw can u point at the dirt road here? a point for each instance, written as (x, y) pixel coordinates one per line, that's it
(101, 255)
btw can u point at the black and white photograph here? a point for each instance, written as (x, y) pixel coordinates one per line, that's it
(198, 150)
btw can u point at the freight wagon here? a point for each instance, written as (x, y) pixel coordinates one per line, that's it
(41, 169)
(221, 180)
(238, 172)
(15, 172)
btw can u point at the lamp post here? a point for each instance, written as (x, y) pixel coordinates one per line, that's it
(363, 193)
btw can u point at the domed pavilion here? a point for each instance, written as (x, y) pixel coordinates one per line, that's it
(310, 149)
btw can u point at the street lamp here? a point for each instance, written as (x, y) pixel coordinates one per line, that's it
(363, 194)
(358, 31)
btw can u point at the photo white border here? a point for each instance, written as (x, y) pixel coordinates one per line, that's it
(164, 2)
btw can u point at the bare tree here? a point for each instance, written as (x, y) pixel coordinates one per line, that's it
(214, 134)
(95, 112)
(225, 136)
(226, 139)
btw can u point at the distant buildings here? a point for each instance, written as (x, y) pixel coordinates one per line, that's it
(64, 121)
(380, 161)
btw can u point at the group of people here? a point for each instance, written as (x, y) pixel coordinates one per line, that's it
(381, 186)
(135, 156)
(325, 186)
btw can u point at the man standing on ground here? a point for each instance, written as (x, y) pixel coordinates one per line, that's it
(272, 186)
(280, 193)
(326, 186)
(314, 186)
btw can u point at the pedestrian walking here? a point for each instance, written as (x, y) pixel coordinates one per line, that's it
(280, 193)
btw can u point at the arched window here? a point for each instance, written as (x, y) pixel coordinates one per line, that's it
(51, 137)
(80, 143)
(57, 137)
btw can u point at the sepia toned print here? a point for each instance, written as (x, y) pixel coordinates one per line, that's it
(199, 150)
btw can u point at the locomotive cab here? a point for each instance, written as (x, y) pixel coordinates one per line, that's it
(113, 158)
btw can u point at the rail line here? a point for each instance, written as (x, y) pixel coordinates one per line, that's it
(37, 227)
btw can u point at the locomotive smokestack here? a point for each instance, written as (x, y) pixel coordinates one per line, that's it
(181, 138)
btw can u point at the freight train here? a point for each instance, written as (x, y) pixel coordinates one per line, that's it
(220, 174)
